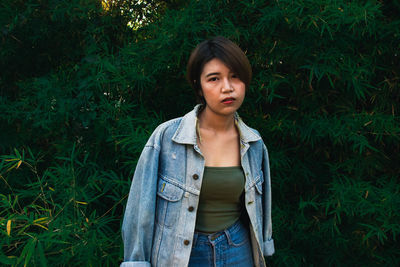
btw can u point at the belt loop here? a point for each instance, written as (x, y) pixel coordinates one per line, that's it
(228, 236)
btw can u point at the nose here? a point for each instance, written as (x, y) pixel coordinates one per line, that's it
(227, 86)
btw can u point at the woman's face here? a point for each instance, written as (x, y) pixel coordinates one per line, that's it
(221, 88)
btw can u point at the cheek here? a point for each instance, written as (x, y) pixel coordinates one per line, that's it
(242, 90)
(208, 92)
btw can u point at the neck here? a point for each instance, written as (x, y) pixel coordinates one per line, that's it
(215, 122)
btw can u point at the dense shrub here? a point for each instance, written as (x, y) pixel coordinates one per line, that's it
(84, 83)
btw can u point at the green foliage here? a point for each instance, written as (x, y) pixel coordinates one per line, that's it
(84, 83)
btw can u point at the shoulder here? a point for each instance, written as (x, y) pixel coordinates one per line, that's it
(253, 137)
(255, 132)
(247, 134)
(164, 130)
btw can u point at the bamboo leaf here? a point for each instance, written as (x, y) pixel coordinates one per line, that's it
(44, 227)
(30, 251)
(8, 227)
(40, 252)
(41, 219)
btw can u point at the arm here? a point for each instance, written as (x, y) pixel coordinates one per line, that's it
(268, 246)
(138, 223)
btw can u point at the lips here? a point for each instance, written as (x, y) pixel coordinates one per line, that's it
(228, 100)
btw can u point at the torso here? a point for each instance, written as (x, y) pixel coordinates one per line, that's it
(220, 149)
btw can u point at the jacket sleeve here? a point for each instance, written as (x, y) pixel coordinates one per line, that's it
(138, 223)
(268, 246)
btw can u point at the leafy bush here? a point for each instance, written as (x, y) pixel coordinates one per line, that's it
(84, 83)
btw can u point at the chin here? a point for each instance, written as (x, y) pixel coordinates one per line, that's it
(223, 110)
(229, 111)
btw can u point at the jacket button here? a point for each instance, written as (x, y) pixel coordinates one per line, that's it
(186, 242)
(195, 176)
(190, 209)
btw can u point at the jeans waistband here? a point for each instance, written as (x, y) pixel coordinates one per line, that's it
(228, 231)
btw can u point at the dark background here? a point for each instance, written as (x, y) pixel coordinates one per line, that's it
(85, 82)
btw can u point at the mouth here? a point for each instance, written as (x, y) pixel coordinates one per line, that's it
(228, 100)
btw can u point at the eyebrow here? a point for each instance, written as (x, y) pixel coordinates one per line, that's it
(212, 73)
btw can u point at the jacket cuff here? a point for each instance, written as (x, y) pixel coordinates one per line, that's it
(135, 264)
(269, 247)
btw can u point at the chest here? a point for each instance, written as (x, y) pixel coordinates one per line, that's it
(220, 150)
(183, 164)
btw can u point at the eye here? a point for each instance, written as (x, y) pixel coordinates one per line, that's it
(212, 79)
(234, 75)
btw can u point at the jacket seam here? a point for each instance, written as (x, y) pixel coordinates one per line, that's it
(153, 146)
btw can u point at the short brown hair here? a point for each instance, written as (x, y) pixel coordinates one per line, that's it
(223, 49)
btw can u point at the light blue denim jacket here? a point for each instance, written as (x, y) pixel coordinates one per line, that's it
(160, 215)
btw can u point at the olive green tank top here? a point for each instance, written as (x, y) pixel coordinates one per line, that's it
(220, 202)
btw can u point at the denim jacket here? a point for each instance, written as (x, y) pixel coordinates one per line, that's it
(160, 215)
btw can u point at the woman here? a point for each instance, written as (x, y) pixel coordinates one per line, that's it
(201, 193)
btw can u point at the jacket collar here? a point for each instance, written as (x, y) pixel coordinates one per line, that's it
(186, 131)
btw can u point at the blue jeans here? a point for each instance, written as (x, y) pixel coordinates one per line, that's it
(230, 247)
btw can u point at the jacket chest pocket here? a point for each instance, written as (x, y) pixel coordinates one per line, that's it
(169, 203)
